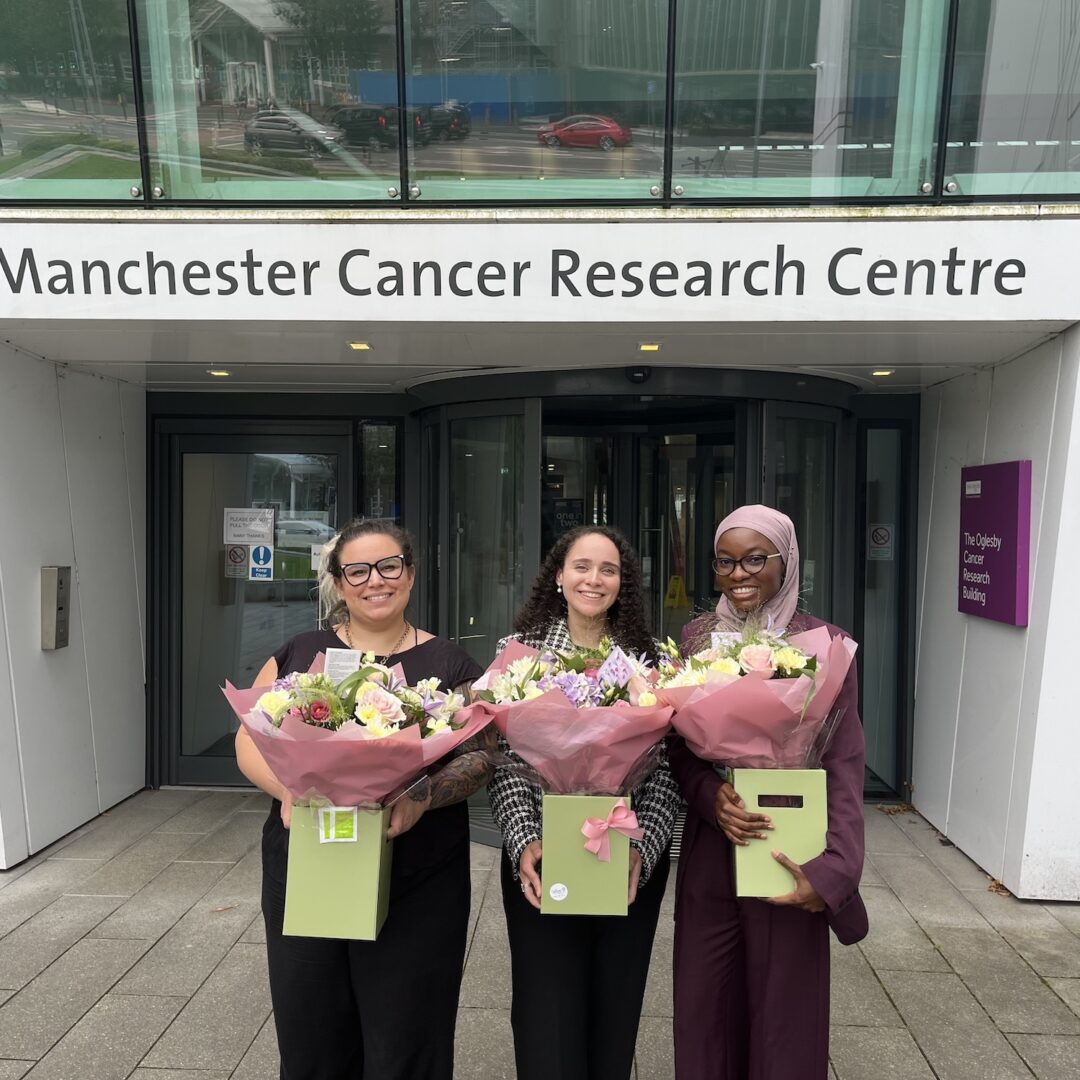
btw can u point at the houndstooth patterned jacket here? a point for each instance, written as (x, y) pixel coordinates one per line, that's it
(516, 803)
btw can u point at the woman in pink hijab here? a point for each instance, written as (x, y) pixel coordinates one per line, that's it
(752, 976)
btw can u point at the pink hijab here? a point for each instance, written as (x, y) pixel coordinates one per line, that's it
(779, 529)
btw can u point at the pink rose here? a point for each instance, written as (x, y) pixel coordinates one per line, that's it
(320, 712)
(757, 658)
(620, 704)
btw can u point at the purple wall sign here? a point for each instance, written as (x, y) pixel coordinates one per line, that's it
(995, 541)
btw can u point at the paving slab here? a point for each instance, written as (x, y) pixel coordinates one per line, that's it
(261, 1061)
(483, 857)
(1053, 952)
(198, 1039)
(153, 910)
(654, 1055)
(1068, 990)
(187, 1074)
(115, 831)
(927, 894)
(1004, 911)
(486, 981)
(110, 1040)
(1006, 987)
(39, 1015)
(205, 815)
(660, 984)
(952, 1030)
(858, 998)
(896, 941)
(1050, 1057)
(876, 1054)
(256, 802)
(870, 876)
(1066, 914)
(181, 961)
(884, 836)
(484, 1045)
(39, 887)
(230, 842)
(33, 946)
(255, 934)
(243, 882)
(481, 883)
(12, 1070)
(133, 868)
(949, 859)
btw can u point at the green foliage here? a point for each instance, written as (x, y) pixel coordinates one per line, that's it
(335, 27)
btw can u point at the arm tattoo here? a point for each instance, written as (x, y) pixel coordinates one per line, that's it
(467, 773)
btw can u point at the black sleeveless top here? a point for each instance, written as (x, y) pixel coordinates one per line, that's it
(440, 835)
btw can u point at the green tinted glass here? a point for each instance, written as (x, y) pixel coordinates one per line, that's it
(1013, 126)
(544, 100)
(260, 99)
(792, 99)
(67, 119)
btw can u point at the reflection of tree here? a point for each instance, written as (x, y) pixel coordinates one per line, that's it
(335, 27)
(63, 35)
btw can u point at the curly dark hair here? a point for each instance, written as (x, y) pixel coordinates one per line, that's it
(626, 617)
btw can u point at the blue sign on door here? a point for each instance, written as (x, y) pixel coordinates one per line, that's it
(261, 555)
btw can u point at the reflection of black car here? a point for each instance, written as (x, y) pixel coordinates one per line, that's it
(376, 126)
(285, 130)
(451, 120)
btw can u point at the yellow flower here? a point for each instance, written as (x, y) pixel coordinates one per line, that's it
(789, 658)
(646, 699)
(532, 691)
(726, 665)
(273, 702)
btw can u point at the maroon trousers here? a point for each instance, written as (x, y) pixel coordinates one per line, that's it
(751, 979)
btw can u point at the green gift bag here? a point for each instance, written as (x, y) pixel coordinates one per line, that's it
(795, 800)
(338, 883)
(575, 881)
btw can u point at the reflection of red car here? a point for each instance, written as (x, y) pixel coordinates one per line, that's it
(583, 130)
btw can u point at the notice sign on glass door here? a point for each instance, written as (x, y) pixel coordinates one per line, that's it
(995, 541)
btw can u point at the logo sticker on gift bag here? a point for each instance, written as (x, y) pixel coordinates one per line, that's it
(558, 891)
(338, 825)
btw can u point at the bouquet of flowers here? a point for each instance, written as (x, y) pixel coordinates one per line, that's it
(570, 716)
(355, 742)
(758, 698)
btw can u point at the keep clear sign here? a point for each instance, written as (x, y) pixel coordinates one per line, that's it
(261, 563)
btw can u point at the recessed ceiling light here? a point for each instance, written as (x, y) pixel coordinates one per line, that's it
(384, 446)
(649, 346)
(360, 346)
(882, 372)
(218, 372)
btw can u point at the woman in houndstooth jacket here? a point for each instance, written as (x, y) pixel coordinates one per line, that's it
(579, 980)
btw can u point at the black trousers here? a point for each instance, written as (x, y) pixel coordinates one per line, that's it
(578, 984)
(373, 1010)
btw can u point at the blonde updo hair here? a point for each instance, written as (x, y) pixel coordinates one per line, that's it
(332, 609)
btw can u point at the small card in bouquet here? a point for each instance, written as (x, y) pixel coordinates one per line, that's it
(795, 800)
(338, 852)
(575, 880)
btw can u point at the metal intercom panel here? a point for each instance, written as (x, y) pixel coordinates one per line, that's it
(55, 606)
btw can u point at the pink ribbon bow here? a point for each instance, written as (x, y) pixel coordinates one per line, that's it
(622, 819)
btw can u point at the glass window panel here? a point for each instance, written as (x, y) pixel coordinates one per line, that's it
(261, 99)
(67, 115)
(1014, 120)
(487, 519)
(575, 483)
(230, 625)
(882, 598)
(544, 99)
(807, 98)
(379, 497)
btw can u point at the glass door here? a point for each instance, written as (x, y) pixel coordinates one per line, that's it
(686, 484)
(241, 582)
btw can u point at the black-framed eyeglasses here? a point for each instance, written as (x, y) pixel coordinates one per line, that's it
(751, 564)
(390, 568)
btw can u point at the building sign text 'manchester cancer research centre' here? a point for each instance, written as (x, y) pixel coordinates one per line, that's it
(627, 271)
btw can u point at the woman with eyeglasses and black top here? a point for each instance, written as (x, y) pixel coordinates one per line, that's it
(383, 1009)
(752, 976)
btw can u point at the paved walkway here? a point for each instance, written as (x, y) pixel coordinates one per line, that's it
(134, 948)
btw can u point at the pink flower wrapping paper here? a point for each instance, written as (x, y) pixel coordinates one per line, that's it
(347, 767)
(755, 722)
(590, 751)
